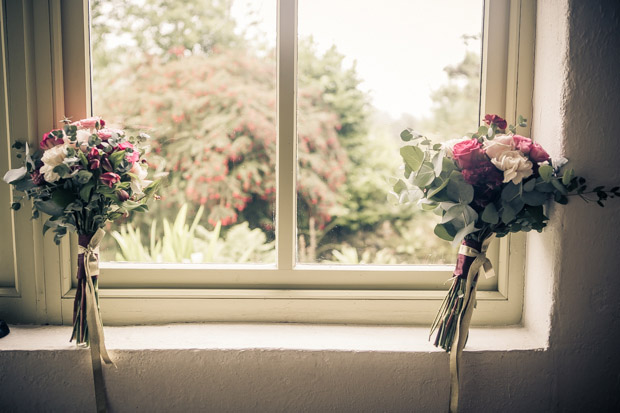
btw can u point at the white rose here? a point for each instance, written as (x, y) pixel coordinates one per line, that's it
(138, 181)
(52, 158)
(81, 141)
(499, 145)
(515, 166)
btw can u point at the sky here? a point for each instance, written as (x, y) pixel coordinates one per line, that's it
(400, 46)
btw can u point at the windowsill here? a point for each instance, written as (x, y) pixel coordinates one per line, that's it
(294, 337)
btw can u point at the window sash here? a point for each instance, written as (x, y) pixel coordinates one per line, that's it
(396, 294)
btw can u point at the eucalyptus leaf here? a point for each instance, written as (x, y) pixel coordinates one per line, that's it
(534, 198)
(546, 172)
(14, 175)
(529, 185)
(413, 157)
(568, 175)
(434, 191)
(558, 185)
(442, 232)
(490, 214)
(83, 177)
(400, 186)
(438, 161)
(49, 207)
(425, 175)
(508, 214)
(458, 190)
(406, 135)
(462, 233)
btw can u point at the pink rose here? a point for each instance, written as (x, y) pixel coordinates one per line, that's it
(468, 154)
(110, 178)
(106, 133)
(131, 153)
(502, 143)
(494, 119)
(49, 141)
(538, 154)
(522, 143)
(89, 122)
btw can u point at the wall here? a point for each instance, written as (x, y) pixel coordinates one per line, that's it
(572, 290)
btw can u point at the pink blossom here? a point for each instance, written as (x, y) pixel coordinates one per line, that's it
(106, 133)
(89, 122)
(538, 154)
(522, 143)
(494, 119)
(110, 178)
(49, 141)
(132, 155)
(468, 154)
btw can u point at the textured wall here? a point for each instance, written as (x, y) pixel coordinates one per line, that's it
(572, 290)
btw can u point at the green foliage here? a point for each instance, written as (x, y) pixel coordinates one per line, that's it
(191, 243)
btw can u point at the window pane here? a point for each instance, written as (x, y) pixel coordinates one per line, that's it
(199, 77)
(366, 71)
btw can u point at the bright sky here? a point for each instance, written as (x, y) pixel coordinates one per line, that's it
(401, 46)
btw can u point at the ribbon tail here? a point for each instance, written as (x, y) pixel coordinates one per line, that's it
(97, 340)
(462, 331)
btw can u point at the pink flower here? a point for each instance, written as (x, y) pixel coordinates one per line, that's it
(494, 119)
(468, 154)
(538, 154)
(106, 133)
(37, 178)
(94, 159)
(49, 141)
(522, 143)
(502, 143)
(131, 153)
(122, 195)
(89, 122)
(110, 178)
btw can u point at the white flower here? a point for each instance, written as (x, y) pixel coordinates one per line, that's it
(516, 167)
(81, 141)
(449, 145)
(499, 145)
(52, 158)
(138, 181)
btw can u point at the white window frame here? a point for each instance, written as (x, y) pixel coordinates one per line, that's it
(40, 286)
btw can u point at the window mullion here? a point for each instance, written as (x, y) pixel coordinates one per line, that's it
(286, 134)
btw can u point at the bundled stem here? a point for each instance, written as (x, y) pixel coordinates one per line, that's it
(452, 308)
(80, 325)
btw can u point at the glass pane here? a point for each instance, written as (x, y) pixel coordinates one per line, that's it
(366, 71)
(199, 77)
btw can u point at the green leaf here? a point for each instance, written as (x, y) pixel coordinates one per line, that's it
(534, 198)
(558, 185)
(508, 214)
(529, 185)
(442, 232)
(568, 175)
(413, 157)
(63, 170)
(460, 236)
(94, 140)
(435, 191)
(482, 130)
(511, 191)
(406, 135)
(546, 172)
(437, 146)
(85, 191)
(400, 186)
(116, 158)
(490, 215)
(458, 190)
(62, 197)
(49, 207)
(460, 216)
(425, 175)
(83, 177)
(83, 159)
(428, 205)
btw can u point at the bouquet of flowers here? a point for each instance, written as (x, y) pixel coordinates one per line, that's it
(484, 185)
(82, 176)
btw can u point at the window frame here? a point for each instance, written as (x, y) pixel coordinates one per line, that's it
(284, 292)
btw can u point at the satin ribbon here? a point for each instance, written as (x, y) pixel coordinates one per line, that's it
(98, 350)
(480, 264)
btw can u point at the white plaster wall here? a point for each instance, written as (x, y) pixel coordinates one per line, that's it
(572, 294)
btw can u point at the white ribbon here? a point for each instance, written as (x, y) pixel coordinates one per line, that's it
(480, 264)
(98, 350)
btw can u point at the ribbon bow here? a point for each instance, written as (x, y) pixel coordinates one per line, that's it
(483, 265)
